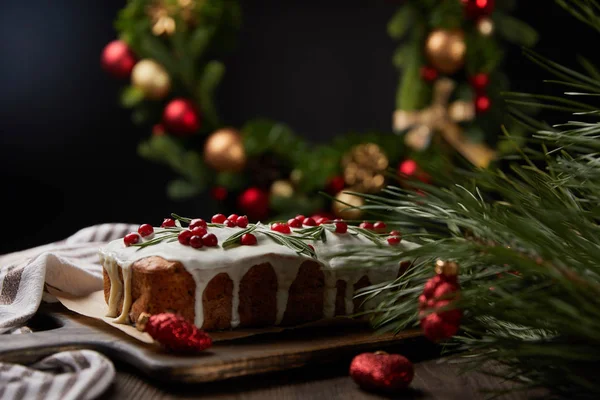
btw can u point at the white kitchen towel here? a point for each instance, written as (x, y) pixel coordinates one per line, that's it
(77, 374)
(71, 266)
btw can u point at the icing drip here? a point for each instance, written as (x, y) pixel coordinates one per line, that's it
(349, 297)
(201, 280)
(329, 294)
(124, 317)
(116, 287)
(285, 277)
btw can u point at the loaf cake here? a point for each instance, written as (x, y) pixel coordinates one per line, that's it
(229, 273)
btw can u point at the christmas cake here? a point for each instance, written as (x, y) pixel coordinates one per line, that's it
(229, 273)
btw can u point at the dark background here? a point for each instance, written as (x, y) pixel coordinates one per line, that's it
(68, 151)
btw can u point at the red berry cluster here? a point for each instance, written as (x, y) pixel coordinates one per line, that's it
(439, 293)
(144, 231)
(232, 221)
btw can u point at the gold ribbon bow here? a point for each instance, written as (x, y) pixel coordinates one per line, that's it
(444, 118)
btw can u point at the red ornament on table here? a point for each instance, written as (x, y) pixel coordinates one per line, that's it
(336, 185)
(428, 74)
(181, 118)
(479, 81)
(475, 9)
(381, 371)
(174, 333)
(438, 319)
(482, 104)
(219, 193)
(117, 59)
(255, 203)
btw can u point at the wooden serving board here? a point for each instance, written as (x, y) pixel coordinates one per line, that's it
(58, 329)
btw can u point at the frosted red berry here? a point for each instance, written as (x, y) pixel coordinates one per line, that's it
(145, 230)
(280, 227)
(311, 247)
(196, 241)
(199, 231)
(393, 240)
(309, 222)
(366, 225)
(341, 227)
(218, 219)
(396, 233)
(168, 223)
(197, 222)
(322, 220)
(233, 217)
(248, 239)
(229, 223)
(184, 237)
(379, 226)
(131, 238)
(242, 221)
(294, 223)
(300, 217)
(210, 240)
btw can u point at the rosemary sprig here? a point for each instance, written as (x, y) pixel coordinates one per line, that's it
(157, 239)
(295, 243)
(234, 240)
(372, 236)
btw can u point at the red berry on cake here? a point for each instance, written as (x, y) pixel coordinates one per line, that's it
(248, 239)
(131, 238)
(218, 219)
(210, 240)
(199, 231)
(197, 222)
(196, 241)
(280, 227)
(309, 222)
(145, 230)
(294, 223)
(396, 233)
(379, 226)
(184, 237)
(233, 217)
(299, 217)
(366, 225)
(393, 240)
(229, 223)
(242, 221)
(168, 223)
(311, 247)
(322, 220)
(341, 227)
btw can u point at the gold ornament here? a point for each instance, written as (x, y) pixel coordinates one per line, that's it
(485, 26)
(151, 78)
(162, 13)
(444, 118)
(296, 176)
(446, 50)
(282, 188)
(446, 268)
(224, 150)
(364, 166)
(344, 203)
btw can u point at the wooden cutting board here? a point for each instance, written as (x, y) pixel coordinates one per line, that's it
(58, 329)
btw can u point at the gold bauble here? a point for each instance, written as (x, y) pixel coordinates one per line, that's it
(446, 50)
(224, 150)
(151, 78)
(343, 203)
(364, 166)
(282, 188)
(485, 26)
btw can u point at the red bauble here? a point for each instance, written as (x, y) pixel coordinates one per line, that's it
(118, 59)
(176, 334)
(218, 193)
(480, 81)
(410, 169)
(438, 319)
(255, 203)
(482, 104)
(475, 9)
(181, 118)
(336, 185)
(381, 371)
(428, 74)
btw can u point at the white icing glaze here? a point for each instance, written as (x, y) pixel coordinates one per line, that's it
(205, 263)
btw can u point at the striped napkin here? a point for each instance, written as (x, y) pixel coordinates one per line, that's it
(71, 266)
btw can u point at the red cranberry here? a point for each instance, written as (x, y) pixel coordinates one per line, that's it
(309, 222)
(184, 237)
(393, 240)
(366, 225)
(395, 233)
(294, 223)
(218, 219)
(210, 240)
(311, 247)
(197, 222)
(322, 220)
(229, 223)
(199, 231)
(281, 227)
(145, 230)
(379, 226)
(299, 217)
(248, 239)
(131, 238)
(242, 221)
(233, 217)
(168, 223)
(196, 241)
(341, 227)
